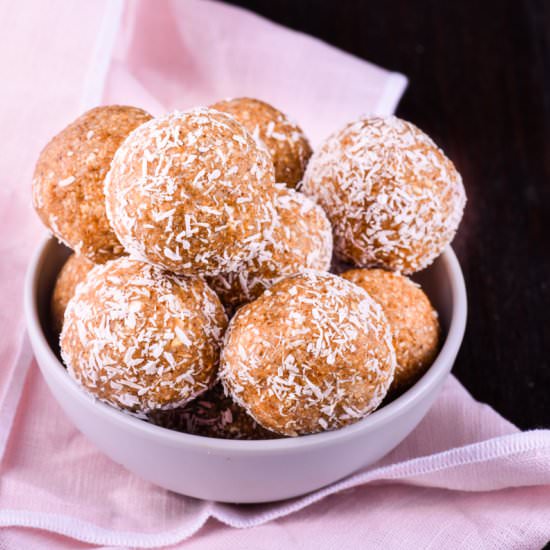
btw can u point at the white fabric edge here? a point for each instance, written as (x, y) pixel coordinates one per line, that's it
(492, 449)
(485, 451)
(85, 531)
(94, 82)
(394, 88)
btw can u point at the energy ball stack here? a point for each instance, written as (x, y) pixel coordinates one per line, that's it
(178, 221)
(284, 140)
(393, 198)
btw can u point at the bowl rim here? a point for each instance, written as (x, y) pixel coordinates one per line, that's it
(433, 376)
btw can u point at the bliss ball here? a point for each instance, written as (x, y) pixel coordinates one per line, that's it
(313, 353)
(72, 273)
(140, 339)
(394, 199)
(212, 414)
(413, 322)
(68, 179)
(284, 140)
(302, 239)
(190, 192)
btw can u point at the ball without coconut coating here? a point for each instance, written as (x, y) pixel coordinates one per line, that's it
(302, 240)
(140, 339)
(68, 179)
(191, 192)
(284, 140)
(312, 353)
(72, 273)
(394, 199)
(212, 414)
(413, 321)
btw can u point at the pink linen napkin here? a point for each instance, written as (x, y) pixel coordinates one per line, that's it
(465, 478)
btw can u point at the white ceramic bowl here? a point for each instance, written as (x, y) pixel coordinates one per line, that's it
(243, 471)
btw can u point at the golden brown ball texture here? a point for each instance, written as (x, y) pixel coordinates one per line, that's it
(302, 239)
(212, 414)
(285, 141)
(141, 339)
(72, 273)
(313, 353)
(191, 192)
(413, 321)
(68, 179)
(393, 198)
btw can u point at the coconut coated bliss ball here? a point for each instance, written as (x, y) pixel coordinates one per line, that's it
(284, 140)
(302, 239)
(190, 192)
(71, 275)
(394, 199)
(140, 339)
(413, 321)
(69, 175)
(313, 353)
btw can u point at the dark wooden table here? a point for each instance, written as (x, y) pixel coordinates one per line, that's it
(480, 86)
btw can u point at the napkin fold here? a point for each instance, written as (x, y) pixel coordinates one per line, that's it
(465, 478)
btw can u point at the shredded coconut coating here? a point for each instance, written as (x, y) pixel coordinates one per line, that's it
(313, 353)
(73, 272)
(301, 240)
(394, 199)
(284, 140)
(140, 339)
(68, 179)
(413, 322)
(191, 192)
(212, 414)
